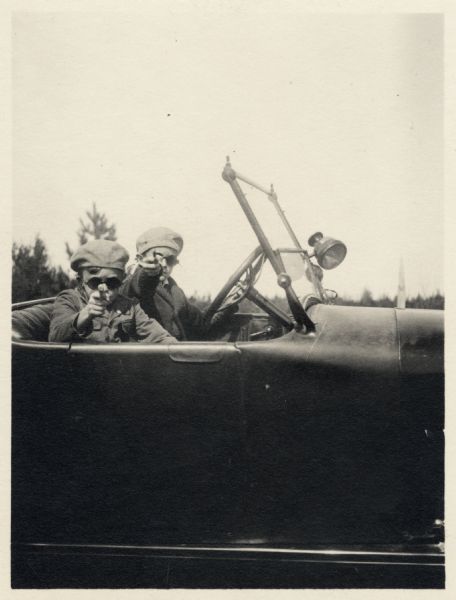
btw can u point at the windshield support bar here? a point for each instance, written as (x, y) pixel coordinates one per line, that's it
(270, 308)
(304, 255)
(253, 184)
(300, 315)
(273, 198)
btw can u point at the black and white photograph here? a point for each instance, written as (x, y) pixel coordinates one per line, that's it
(227, 285)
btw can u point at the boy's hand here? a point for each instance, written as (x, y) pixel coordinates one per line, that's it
(153, 264)
(96, 304)
(95, 307)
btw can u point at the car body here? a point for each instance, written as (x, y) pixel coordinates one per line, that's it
(302, 448)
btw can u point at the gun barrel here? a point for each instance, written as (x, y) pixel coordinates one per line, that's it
(103, 288)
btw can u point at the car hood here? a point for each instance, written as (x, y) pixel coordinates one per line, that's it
(407, 340)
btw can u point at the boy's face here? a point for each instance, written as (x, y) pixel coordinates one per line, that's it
(104, 281)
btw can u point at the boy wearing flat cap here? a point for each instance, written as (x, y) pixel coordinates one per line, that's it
(95, 311)
(160, 296)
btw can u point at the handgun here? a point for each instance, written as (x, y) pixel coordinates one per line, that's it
(102, 289)
(153, 266)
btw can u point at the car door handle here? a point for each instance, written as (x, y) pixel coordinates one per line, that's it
(198, 352)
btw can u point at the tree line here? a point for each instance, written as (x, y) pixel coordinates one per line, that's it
(34, 277)
(434, 301)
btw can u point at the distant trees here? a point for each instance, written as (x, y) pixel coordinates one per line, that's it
(95, 228)
(33, 276)
(202, 302)
(434, 301)
(367, 298)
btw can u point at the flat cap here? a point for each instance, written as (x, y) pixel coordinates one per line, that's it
(100, 253)
(160, 237)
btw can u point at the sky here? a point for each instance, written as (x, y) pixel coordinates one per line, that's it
(137, 112)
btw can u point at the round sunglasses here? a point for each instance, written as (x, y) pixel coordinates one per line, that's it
(112, 283)
(171, 260)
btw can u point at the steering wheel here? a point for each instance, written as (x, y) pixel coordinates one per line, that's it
(241, 285)
(238, 285)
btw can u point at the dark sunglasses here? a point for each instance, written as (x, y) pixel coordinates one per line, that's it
(112, 283)
(171, 260)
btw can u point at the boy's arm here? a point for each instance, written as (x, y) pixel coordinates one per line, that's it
(63, 320)
(141, 284)
(195, 324)
(149, 331)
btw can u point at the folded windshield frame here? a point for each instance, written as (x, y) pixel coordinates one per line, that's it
(283, 279)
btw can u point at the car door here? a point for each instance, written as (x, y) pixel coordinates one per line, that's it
(125, 443)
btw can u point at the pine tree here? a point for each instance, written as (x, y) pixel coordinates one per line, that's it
(33, 276)
(367, 298)
(95, 228)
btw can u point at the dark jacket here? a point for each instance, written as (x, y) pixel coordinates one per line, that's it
(123, 321)
(166, 303)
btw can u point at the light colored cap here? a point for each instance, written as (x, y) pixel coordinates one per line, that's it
(161, 239)
(103, 254)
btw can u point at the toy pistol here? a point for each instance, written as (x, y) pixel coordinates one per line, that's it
(103, 288)
(152, 265)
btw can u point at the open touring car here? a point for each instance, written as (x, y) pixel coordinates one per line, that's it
(302, 448)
